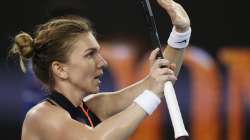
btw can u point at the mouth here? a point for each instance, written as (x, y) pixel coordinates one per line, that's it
(98, 77)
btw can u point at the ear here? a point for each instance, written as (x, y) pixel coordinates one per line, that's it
(59, 70)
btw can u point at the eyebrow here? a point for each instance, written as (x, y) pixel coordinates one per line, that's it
(91, 49)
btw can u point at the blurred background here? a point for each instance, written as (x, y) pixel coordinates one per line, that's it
(213, 86)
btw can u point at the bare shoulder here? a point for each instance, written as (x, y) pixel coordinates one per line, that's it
(46, 112)
(49, 122)
(43, 119)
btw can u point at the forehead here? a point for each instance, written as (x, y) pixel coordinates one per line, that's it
(86, 41)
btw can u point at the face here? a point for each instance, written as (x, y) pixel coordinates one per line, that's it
(85, 65)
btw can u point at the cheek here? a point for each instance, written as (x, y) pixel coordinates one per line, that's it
(81, 72)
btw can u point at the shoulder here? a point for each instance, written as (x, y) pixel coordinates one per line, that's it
(43, 118)
(45, 111)
(46, 121)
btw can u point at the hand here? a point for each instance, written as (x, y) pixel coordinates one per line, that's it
(161, 71)
(177, 14)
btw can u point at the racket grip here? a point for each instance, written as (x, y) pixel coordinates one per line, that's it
(174, 111)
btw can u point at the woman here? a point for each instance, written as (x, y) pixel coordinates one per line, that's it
(66, 58)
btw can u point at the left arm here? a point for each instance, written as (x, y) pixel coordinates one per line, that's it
(105, 105)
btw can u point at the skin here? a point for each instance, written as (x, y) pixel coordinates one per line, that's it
(108, 104)
(76, 79)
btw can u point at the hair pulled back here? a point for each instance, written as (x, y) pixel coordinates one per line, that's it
(52, 42)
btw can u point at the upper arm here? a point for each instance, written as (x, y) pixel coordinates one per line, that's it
(69, 129)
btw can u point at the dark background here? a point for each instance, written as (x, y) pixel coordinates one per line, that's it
(215, 24)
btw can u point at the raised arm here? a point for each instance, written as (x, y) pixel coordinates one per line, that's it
(181, 22)
(108, 104)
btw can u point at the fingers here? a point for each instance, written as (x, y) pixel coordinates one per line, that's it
(161, 71)
(153, 55)
(166, 78)
(161, 63)
(165, 74)
(172, 66)
(161, 68)
(166, 71)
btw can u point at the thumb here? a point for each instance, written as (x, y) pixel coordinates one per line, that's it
(153, 55)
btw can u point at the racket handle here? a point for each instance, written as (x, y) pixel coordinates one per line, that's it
(174, 111)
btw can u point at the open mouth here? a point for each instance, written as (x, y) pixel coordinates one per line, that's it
(98, 77)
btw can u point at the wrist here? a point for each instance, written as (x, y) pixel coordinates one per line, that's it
(179, 40)
(149, 84)
(148, 101)
(181, 29)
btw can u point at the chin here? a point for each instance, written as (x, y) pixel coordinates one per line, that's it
(94, 91)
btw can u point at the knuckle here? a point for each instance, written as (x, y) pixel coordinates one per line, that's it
(170, 71)
(166, 71)
(151, 57)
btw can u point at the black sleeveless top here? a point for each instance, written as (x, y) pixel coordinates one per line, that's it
(81, 114)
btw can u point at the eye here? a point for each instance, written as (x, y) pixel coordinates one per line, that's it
(91, 54)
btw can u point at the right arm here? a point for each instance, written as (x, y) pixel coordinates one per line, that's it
(55, 123)
(117, 127)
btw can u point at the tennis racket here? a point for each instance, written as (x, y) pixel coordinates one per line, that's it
(179, 129)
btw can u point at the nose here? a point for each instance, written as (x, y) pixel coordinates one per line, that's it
(101, 62)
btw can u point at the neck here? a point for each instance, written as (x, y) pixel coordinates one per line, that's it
(75, 96)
